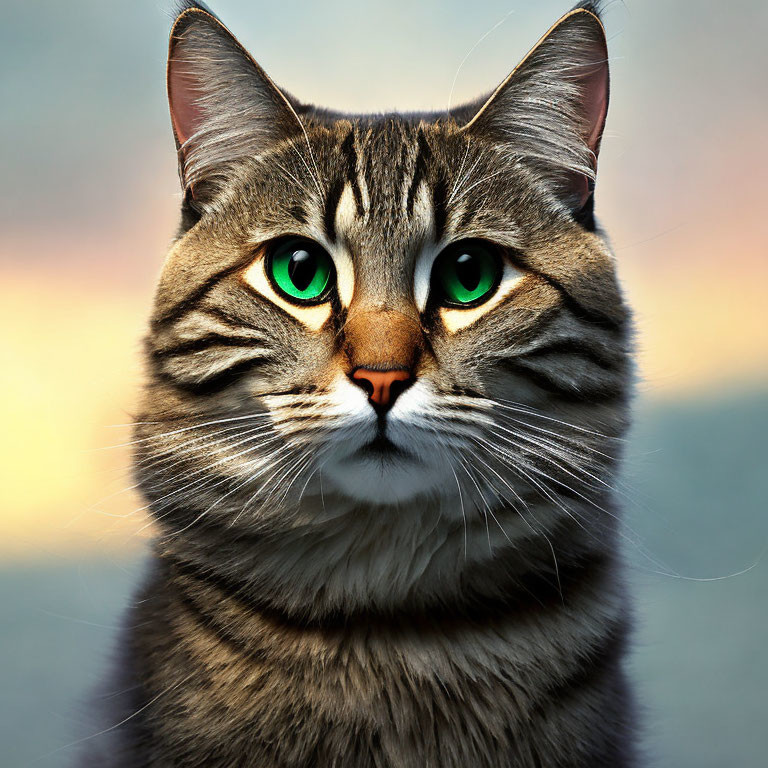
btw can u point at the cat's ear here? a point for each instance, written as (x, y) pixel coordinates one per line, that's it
(223, 105)
(551, 109)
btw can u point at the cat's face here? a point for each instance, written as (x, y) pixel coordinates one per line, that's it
(381, 309)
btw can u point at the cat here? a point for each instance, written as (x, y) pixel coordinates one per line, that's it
(389, 368)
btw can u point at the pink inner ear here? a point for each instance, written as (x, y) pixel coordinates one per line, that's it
(595, 89)
(183, 97)
(595, 99)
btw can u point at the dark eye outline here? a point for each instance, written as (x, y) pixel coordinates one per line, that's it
(309, 245)
(436, 287)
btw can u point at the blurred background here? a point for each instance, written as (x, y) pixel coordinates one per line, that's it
(88, 204)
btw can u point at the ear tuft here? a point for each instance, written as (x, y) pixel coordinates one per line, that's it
(187, 5)
(551, 110)
(223, 106)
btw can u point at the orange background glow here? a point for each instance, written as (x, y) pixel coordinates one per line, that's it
(90, 203)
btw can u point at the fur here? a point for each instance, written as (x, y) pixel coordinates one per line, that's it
(454, 598)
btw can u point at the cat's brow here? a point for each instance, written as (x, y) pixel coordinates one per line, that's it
(349, 153)
(349, 176)
(423, 155)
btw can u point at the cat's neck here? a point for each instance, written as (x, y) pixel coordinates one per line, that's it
(354, 560)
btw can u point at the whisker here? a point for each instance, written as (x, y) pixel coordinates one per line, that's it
(485, 503)
(162, 435)
(529, 410)
(463, 511)
(538, 533)
(195, 445)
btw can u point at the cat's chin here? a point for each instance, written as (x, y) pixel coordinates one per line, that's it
(384, 478)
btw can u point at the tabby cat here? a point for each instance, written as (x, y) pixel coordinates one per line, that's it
(389, 368)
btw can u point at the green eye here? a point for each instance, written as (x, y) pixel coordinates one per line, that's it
(466, 274)
(300, 270)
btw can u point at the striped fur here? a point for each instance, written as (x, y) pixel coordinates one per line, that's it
(312, 603)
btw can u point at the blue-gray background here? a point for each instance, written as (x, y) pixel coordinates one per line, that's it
(88, 202)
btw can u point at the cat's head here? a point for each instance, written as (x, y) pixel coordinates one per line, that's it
(382, 308)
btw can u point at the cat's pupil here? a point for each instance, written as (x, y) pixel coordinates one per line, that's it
(468, 272)
(302, 268)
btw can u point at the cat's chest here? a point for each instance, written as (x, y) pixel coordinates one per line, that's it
(402, 695)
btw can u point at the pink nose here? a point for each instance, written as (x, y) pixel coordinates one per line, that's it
(382, 387)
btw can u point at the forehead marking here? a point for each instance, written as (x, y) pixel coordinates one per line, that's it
(347, 180)
(423, 154)
(352, 176)
(329, 210)
(440, 205)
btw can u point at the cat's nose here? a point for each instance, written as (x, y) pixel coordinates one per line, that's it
(382, 387)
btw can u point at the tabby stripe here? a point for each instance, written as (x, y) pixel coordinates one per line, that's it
(219, 313)
(440, 205)
(422, 157)
(589, 392)
(215, 382)
(331, 205)
(299, 214)
(348, 150)
(572, 347)
(334, 193)
(527, 592)
(203, 343)
(188, 303)
(576, 307)
(466, 217)
(220, 631)
(545, 319)
(596, 661)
